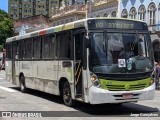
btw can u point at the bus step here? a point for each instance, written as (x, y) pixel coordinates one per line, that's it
(78, 95)
(79, 99)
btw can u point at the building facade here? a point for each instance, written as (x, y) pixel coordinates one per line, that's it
(30, 24)
(18, 9)
(148, 11)
(102, 8)
(68, 14)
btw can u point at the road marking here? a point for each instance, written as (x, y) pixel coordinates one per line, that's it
(7, 89)
(1, 78)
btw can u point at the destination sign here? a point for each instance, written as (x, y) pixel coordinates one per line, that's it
(116, 24)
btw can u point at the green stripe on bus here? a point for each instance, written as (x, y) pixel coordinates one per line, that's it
(124, 85)
(70, 72)
(57, 29)
(69, 26)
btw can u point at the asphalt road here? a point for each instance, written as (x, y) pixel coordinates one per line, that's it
(50, 106)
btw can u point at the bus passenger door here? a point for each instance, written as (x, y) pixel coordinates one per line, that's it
(78, 44)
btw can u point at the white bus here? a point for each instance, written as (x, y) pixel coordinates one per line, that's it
(94, 60)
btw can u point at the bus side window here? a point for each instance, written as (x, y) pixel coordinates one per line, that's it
(9, 51)
(52, 45)
(15, 50)
(28, 48)
(48, 46)
(64, 45)
(36, 48)
(45, 47)
(21, 49)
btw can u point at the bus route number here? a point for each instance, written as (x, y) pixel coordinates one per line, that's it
(99, 25)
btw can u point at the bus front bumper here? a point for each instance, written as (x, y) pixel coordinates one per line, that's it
(100, 96)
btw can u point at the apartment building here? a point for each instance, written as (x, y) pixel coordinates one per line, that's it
(18, 9)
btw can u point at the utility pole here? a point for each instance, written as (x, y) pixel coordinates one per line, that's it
(89, 9)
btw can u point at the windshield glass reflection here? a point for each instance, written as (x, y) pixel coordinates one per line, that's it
(120, 53)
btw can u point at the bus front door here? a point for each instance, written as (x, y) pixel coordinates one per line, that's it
(78, 38)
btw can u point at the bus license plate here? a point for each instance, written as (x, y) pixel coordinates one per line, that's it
(127, 95)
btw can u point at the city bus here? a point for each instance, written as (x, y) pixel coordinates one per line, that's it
(94, 60)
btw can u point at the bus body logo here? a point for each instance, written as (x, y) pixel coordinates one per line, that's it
(127, 87)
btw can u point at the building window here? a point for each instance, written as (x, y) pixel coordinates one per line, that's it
(40, 12)
(27, 0)
(27, 6)
(40, 6)
(97, 16)
(133, 13)
(66, 20)
(53, 2)
(124, 13)
(142, 12)
(20, 5)
(13, 5)
(105, 15)
(40, 1)
(114, 14)
(152, 13)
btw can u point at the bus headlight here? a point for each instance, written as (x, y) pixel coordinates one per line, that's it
(94, 80)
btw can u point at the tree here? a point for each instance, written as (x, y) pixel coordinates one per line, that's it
(6, 28)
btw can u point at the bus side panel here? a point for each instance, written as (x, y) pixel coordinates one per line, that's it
(25, 67)
(66, 71)
(45, 76)
(16, 73)
(8, 70)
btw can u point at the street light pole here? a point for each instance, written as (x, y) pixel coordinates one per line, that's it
(89, 8)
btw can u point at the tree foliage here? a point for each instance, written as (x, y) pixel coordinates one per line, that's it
(6, 27)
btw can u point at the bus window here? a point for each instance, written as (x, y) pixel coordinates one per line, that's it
(27, 48)
(8, 51)
(52, 45)
(48, 46)
(21, 49)
(45, 47)
(15, 50)
(64, 48)
(37, 48)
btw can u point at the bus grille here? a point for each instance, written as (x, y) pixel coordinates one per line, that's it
(123, 87)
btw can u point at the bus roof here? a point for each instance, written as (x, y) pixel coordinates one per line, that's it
(67, 26)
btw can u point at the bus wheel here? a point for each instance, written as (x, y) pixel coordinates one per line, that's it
(67, 99)
(22, 84)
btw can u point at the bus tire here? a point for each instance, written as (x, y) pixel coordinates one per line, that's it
(22, 84)
(67, 98)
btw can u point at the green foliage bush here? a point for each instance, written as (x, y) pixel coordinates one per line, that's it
(6, 28)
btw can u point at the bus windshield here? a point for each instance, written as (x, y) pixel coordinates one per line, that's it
(120, 52)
